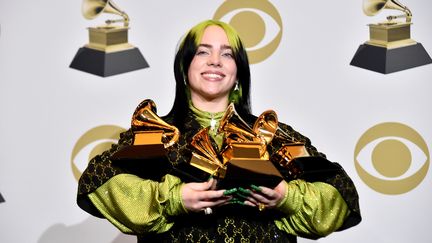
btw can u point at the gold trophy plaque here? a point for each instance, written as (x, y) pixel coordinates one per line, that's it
(390, 47)
(108, 51)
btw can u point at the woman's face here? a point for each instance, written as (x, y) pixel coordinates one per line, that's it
(213, 71)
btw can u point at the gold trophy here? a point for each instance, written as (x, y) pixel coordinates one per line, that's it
(390, 47)
(108, 51)
(151, 135)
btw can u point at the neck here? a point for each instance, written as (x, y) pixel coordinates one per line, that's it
(214, 105)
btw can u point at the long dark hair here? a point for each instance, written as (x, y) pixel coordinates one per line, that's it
(185, 54)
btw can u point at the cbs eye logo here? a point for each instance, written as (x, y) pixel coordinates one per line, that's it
(391, 158)
(257, 22)
(93, 142)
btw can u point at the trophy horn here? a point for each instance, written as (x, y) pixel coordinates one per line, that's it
(235, 127)
(92, 8)
(205, 157)
(373, 7)
(145, 118)
(266, 125)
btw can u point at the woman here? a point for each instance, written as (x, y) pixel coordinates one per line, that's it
(211, 71)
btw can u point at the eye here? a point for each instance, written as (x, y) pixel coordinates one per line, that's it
(391, 158)
(91, 143)
(201, 52)
(227, 54)
(257, 22)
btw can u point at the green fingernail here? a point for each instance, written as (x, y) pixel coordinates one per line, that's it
(230, 191)
(256, 188)
(236, 201)
(244, 191)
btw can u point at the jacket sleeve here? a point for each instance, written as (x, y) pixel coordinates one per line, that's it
(325, 182)
(312, 210)
(99, 170)
(136, 206)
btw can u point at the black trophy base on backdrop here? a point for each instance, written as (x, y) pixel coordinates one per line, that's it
(383, 60)
(106, 64)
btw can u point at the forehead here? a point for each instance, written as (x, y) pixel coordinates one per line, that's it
(214, 35)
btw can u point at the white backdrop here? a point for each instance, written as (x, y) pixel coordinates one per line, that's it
(46, 107)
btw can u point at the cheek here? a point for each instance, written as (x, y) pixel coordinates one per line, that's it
(233, 71)
(194, 68)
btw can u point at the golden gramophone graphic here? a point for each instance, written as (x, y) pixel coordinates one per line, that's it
(390, 47)
(108, 51)
(152, 135)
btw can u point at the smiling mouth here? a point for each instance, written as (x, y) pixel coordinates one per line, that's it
(214, 76)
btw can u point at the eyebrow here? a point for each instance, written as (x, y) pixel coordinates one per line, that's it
(223, 47)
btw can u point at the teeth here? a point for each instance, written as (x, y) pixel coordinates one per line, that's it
(212, 75)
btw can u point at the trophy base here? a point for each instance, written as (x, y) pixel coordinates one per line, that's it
(140, 152)
(107, 64)
(383, 60)
(147, 161)
(244, 172)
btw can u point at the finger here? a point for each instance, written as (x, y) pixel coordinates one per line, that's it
(241, 202)
(259, 198)
(212, 195)
(266, 192)
(214, 182)
(201, 186)
(206, 204)
(269, 193)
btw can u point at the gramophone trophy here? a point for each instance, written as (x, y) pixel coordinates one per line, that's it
(390, 47)
(108, 51)
(151, 135)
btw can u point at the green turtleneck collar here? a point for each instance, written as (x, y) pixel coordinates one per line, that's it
(209, 119)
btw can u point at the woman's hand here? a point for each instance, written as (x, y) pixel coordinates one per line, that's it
(265, 198)
(199, 196)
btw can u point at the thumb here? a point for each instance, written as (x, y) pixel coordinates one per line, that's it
(202, 186)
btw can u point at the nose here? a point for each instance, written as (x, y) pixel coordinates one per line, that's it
(214, 60)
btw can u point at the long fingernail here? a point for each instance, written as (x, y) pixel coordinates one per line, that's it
(230, 191)
(244, 191)
(236, 201)
(256, 188)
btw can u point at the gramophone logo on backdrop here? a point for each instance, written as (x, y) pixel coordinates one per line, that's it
(258, 23)
(391, 158)
(108, 51)
(390, 47)
(91, 143)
